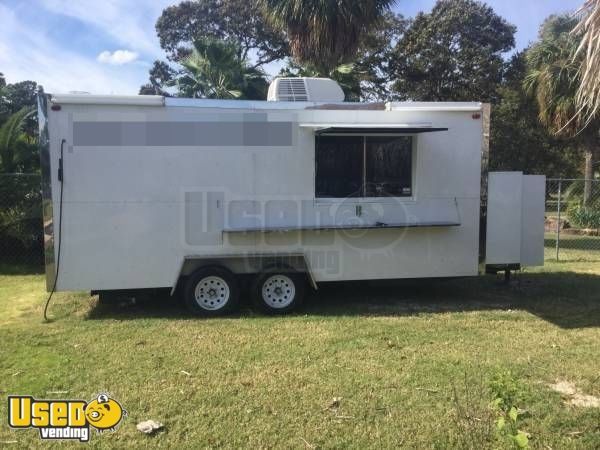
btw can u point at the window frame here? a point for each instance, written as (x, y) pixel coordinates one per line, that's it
(404, 199)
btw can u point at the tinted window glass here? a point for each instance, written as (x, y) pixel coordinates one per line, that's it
(339, 166)
(389, 166)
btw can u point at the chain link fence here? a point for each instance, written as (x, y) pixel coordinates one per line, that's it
(21, 238)
(572, 228)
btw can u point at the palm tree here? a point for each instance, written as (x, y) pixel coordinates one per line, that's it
(553, 79)
(13, 148)
(214, 69)
(588, 94)
(324, 33)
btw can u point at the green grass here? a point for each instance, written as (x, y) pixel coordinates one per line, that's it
(412, 363)
(573, 248)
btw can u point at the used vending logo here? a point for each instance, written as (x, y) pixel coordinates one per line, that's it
(65, 419)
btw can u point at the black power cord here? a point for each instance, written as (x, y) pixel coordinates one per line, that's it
(60, 211)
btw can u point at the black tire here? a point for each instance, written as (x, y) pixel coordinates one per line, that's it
(292, 287)
(219, 295)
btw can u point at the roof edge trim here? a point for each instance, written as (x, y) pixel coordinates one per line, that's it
(434, 106)
(87, 99)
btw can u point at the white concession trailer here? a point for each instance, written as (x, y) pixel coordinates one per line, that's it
(146, 192)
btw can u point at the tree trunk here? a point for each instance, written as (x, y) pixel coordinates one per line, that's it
(588, 174)
(590, 149)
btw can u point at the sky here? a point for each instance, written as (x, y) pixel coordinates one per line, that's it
(107, 46)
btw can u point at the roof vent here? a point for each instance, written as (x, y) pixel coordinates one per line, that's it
(305, 90)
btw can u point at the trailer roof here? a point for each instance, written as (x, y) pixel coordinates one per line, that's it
(158, 101)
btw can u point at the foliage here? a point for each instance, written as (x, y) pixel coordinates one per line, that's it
(18, 95)
(453, 53)
(507, 392)
(15, 151)
(324, 34)
(553, 79)
(366, 79)
(375, 51)
(505, 389)
(20, 197)
(160, 76)
(588, 92)
(232, 20)
(177, 26)
(506, 429)
(237, 22)
(13, 98)
(214, 69)
(518, 141)
(20, 218)
(582, 216)
(576, 190)
(553, 75)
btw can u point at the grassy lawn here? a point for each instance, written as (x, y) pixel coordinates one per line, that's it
(416, 364)
(573, 247)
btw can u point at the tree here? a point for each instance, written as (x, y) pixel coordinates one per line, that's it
(518, 141)
(20, 197)
(453, 53)
(553, 79)
(588, 93)
(18, 127)
(214, 69)
(20, 94)
(161, 75)
(374, 55)
(367, 78)
(324, 34)
(235, 21)
(16, 96)
(232, 20)
(14, 149)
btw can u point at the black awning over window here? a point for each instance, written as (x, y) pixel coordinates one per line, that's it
(382, 130)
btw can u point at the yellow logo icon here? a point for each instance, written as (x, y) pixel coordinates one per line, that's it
(104, 413)
(65, 419)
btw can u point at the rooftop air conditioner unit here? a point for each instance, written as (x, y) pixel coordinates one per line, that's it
(305, 90)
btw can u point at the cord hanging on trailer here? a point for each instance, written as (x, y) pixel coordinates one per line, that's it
(61, 177)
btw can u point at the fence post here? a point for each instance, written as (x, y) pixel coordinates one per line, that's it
(558, 220)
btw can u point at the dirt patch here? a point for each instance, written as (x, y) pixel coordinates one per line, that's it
(582, 231)
(551, 223)
(573, 396)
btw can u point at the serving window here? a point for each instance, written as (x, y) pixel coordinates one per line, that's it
(363, 166)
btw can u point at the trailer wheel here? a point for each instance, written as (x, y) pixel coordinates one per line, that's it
(211, 291)
(278, 290)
